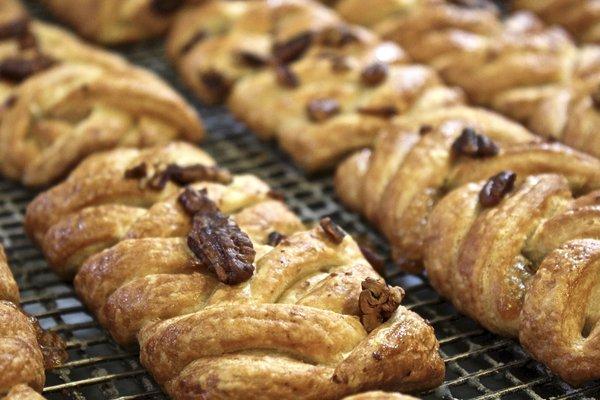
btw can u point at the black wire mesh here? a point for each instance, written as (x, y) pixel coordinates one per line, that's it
(480, 365)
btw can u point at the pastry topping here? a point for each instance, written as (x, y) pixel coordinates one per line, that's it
(285, 76)
(496, 187)
(276, 195)
(166, 6)
(52, 346)
(321, 109)
(194, 40)
(250, 59)
(18, 69)
(216, 84)
(425, 129)
(383, 112)
(216, 240)
(473, 144)
(159, 177)
(376, 261)
(275, 238)
(340, 64)
(337, 36)
(293, 49)
(333, 231)
(377, 302)
(374, 74)
(14, 29)
(596, 98)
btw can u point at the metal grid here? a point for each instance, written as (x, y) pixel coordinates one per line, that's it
(480, 365)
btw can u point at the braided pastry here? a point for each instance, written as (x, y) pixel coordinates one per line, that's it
(480, 250)
(116, 21)
(22, 392)
(518, 66)
(580, 17)
(303, 297)
(326, 87)
(379, 396)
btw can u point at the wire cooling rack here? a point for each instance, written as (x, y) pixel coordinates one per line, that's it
(480, 365)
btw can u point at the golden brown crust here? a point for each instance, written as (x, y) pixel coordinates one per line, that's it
(8, 286)
(380, 396)
(22, 392)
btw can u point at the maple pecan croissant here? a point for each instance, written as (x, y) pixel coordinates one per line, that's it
(517, 66)
(186, 264)
(64, 99)
(493, 250)
(325, 87)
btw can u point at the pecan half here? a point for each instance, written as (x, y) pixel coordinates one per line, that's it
(377, 302)
(252, 60)
(14, 29)
(596, 98)
(193, 41)
(216, 240)
(496, 188)
(425, 129)
(178, 175)
(333, 231)
(382, 112)
(166, 6)
(376, 260)
(18, 69)
(216, 84)
(374, 74)
(473, 144)
(292, 49)
(275, 238)
(322, 109)
(138, 172)
(337, 36)
(285, 76)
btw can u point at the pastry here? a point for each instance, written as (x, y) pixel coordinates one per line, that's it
(325, 87)
(116, 21)
(25, 350)
(580, 17)
(517, 66)
(161, 240)
(426, 184)
(379, 396)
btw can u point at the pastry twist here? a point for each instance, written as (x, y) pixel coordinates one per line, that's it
(418, 185)
(116, 21)
(580, 17)
(326, 87)
(303, 336)
(517, 66)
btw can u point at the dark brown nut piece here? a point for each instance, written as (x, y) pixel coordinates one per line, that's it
(496, 188)
(374, 74)
(382, 112)
(250, 59)
(216, 84)
(166, 6)
(140, 171)
(377, 302)
(473, 144)
(275, 238)
(292, 49)
(179, 175)
(14, 29)
(337, 36)
(425, 129)
(18, 69)
(218, 243)
(276, 195)
(376, 261)
(52, 346)
(596, 98)
(322, 109)
(193, 41)
(285, 76)
(333, 231)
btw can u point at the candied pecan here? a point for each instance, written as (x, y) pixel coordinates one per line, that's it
(337, 36)
(179, 175)
(218, 243)
(376, 261)
(18, 69)
(383, 111)
(193, 41)
(596, 98)
(250, 59)
(473, 144)
(333, 231)
(52, 346)
(496, 188)
(292, 49)
(138, 172)
(321, 109)
(14, 29)
(216, 84)
(425, 129)
(377, 302)
(285, 76)
(275, 238)
(166, 6)
(374, 74)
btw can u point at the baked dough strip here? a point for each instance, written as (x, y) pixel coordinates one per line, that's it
(292, 330)
(524, 261)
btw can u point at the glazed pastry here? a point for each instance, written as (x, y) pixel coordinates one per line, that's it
(186, 244)
(326, 87)
(580, 17)
(517, 66)
(116, 21)
(417, 186)
(25, 350)
(379, 396)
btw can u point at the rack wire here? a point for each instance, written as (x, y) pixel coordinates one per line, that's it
(480, 365)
